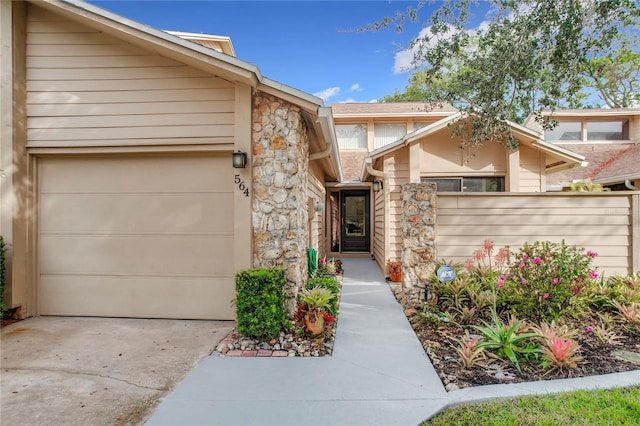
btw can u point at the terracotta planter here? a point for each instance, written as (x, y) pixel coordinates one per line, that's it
(396, 276)
(314, 322)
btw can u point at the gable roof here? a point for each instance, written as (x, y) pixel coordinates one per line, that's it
(205, 58)
(220, 43)
(391, 109)
(559, 158)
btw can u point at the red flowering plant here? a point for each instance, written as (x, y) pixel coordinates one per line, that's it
(545, 280)
(472, 293)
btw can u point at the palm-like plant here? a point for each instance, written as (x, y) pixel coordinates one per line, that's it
(505, 340)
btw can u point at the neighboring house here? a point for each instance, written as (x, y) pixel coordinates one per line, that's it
(608, 139)
(393, 144)
(118, 193)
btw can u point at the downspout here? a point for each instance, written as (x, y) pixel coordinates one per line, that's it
(322, 154)
(387, 200)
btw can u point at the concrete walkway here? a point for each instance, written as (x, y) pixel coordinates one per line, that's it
(378, 374)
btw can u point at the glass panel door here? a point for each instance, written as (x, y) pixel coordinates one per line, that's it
(355, 221)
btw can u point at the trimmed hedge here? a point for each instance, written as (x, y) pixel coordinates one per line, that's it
(260, 297)
(330, 284)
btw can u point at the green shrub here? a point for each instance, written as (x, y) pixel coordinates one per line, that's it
(3, 307)
(330, 284)
(260, 297)
(546, 280)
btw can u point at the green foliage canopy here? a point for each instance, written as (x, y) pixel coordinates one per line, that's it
(529, 56)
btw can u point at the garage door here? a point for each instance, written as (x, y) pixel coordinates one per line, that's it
(136, 236)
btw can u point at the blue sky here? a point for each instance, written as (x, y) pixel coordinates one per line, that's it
(304, 44)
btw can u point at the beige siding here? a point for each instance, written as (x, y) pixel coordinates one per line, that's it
(316, 194)
(378, 228)
(634, 128)
(397, 164)
(441, 156)
(530, 170)
(86, 88)
(600, 222)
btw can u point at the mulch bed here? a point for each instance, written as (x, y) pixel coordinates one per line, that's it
(437, 340)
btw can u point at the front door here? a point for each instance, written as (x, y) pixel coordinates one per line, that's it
(355, 221)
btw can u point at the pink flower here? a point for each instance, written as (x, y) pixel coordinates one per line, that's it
(500, 285)
(522, 264)
(488, 245)
(524, 281)
(555, 281)
(501, 278)
(589, 328)
(468, 264)
(479, 254)
(546, 295)
(594, 274)
(501, 256)
(537, 260)
(591, 253)
(525, 257)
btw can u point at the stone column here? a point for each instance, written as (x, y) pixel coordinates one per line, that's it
(280, 165)
(418, 238)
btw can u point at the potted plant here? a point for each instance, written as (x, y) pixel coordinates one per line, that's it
(316, 302)
(395, 271)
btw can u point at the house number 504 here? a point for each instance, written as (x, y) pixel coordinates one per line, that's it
(242, 186)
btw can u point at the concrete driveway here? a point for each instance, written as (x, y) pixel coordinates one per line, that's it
(97, 371)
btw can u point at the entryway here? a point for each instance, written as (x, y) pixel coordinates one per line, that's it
(355, 221)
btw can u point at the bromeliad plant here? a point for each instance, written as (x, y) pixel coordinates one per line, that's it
(506, 340)
(316, 301)
(559, 353)
(472, 352)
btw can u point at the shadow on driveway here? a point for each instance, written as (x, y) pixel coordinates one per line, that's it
(109, 371)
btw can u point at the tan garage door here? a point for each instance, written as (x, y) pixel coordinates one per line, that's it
(136, 236)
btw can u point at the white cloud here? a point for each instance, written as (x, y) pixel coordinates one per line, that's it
(404, 59)
(355, 88)
(351, 100)
(327, 93)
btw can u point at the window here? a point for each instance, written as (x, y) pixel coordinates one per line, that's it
(352, 136)
(595, 130)
(386, 133)
(608, 130)
(467, 184)
(420, 124)
(565, 131)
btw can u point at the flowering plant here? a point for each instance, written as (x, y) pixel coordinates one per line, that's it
(395, 267)
(545, 278)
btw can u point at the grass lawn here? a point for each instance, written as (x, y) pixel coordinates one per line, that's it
(620, 406)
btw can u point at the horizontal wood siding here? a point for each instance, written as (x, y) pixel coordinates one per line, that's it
(397, 165)
(316, 193)
(530, 170)
(603, 223)
(378, 229)
(86, 88)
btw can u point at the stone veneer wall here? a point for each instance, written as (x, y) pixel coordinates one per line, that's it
(418, 238)
(280, 166)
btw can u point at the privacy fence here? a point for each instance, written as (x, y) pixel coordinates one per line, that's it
(607, 223)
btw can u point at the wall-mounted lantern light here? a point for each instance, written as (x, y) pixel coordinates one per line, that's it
(377, 185)
(239, 160)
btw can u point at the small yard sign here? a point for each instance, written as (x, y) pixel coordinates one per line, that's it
(446, 274)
